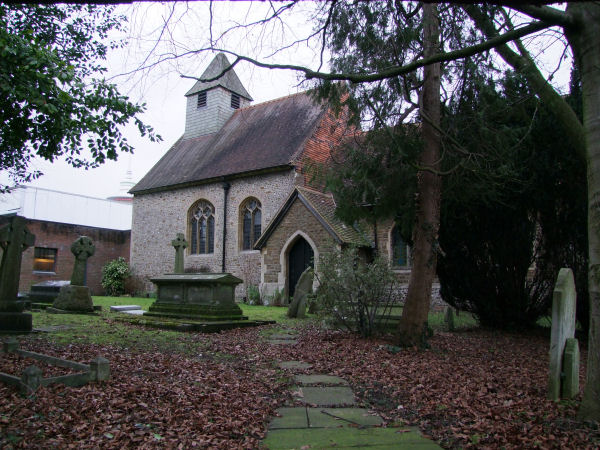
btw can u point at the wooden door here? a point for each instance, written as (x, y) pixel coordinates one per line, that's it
(299, 258)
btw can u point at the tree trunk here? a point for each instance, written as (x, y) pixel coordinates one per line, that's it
(586, 48)
(413, 324)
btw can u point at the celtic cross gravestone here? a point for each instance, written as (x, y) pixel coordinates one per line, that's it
(76, 298)
(82, 248)
(14, 239)
(180, 245)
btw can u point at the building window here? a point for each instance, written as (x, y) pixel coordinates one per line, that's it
(202, 228)
(399, 249)
(251, 215)
(44, 259)
(235, 101)
(202, 99)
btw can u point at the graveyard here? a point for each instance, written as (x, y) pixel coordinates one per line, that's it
(400, 251)
(472, 388)
(85, 375)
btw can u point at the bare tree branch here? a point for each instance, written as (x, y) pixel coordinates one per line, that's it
(525, 64)
(392, 71)
(546, 14)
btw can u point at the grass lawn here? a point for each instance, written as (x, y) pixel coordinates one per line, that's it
(103, 330)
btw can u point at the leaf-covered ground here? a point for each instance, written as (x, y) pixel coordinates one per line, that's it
(472, 389)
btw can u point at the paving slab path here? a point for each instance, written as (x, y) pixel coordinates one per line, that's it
(329, 416)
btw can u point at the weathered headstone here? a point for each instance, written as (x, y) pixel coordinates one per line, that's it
(297, 307)
(570, 385)
(450, 318)
(46, 291)
(180, 245)
(82, 248)
(14, 239)
(563, 328)
(76, 296)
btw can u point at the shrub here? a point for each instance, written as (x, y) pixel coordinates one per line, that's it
(353, 293)
(114, 274)
(253, 295)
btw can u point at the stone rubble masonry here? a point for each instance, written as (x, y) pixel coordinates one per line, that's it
(299, 221)
(158, 217)
(110, 244)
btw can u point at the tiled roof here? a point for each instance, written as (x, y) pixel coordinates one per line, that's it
(229, 80)
(256, 138)
(322, 206)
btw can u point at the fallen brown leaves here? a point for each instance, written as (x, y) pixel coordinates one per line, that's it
(474, 389)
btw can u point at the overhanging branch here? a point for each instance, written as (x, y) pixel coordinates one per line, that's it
(393, 71)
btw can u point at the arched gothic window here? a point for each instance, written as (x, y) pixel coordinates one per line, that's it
(251, 216)
(202, 228)
(399, 249)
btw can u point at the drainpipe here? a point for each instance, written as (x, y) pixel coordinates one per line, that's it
(226, 187)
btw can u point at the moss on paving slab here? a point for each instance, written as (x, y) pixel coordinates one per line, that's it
(329, 380)
(347, 437)
(327, 396)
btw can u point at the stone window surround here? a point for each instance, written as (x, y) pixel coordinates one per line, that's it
(190, 215)
(241, 211)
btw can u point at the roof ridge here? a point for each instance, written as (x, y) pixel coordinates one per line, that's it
(316, 191)
(273, 100)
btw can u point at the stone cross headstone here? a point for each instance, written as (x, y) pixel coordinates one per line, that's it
(563, 328)
(297, 307)
(76, 298)
(82, 248)
(14, 238)
(180, 245)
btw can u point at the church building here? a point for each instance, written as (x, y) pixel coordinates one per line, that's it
(236, 185)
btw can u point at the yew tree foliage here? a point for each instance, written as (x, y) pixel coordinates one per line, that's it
(53, 100)
(512, 198)
(491, 234)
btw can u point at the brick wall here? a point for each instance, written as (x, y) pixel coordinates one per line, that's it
(210, 118)
(298, 221)
(158, 217)
(110, 244)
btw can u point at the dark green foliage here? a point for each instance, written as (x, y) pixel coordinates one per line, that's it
(53, 101)
(492, 232)
(512, 196)
(114, 275)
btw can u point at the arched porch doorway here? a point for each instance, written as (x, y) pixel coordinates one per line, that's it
(300, 257)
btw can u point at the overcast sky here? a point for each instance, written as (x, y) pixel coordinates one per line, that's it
(162, 87)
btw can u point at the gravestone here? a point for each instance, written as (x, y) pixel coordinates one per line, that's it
(570, 384)
(76, 296)
(450, 318)
(46, 291)
(197, 296)
(297, 306)
(563, 328)
(14, 239)
(180, 245)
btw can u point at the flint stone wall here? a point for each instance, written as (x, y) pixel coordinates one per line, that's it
(158, 217)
